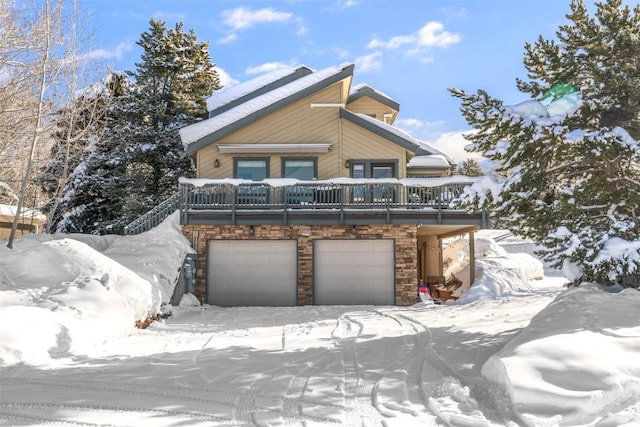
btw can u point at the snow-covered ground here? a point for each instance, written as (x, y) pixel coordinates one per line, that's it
(516, 349)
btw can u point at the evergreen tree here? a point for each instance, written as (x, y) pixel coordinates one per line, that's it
(77, 126)
(136, 162)
(469, 167)
(96, 164)
(172, 82)
(570, 157)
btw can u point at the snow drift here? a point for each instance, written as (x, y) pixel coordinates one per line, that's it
(581, 354)
(63, 294)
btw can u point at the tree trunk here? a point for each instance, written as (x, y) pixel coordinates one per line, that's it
(46, 38)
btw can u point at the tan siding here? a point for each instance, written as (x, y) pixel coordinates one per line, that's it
(419, 171)
(296, 123)
(370, 106)
(359, 143)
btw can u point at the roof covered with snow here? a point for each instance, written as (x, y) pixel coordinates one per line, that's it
(364, 90)
(393, 134)
(200, 134)
(243, 104)
(10, 210)
(430, 161)
(228, 98)
(432, 149)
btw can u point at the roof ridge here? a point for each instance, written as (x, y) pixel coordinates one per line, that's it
(249, 89)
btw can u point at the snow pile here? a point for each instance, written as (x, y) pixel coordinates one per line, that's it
(498, 273)
(581, 354)
(65, 294)
(504, 359)
(164, 248)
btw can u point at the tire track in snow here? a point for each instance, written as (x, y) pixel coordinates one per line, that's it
(412, 358)
(294, 401)
(136, 389)
(469, 391)
(32, 419)
(359, 392)
(52, 407)
(175, 392)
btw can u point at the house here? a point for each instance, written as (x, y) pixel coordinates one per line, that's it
(307, 194)
(30, 221)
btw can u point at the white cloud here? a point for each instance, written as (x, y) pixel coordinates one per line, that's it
(228, 39)
(393, 43)
(116, 53)
(453, 144)
(242, 18)
(413, 123)
(434, 34)
(269, 66)
(344, 4)
(431, 35)
(302, 30)
(225, 78)
(460, 13)
(369, 62)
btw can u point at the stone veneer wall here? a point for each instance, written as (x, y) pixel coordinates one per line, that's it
(405, 237)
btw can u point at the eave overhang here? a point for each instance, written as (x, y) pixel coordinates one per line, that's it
(407, 144)
(366, 91)
(251, 118)
(273, 148)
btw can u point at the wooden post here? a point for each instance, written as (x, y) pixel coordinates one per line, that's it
(472, 258)
(440, 258)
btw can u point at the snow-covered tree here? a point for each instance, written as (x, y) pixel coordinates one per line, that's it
(469, 167)
(172, 82)
(137, 161)
(79, 126)
(569, 155)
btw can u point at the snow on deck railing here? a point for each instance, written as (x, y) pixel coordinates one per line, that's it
(283, 182)
(226, 194)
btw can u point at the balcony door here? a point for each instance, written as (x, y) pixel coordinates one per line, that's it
(253, 169)
(373, 169)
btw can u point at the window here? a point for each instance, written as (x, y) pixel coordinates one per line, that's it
(254, 169)
(305, 169)
(373, 169)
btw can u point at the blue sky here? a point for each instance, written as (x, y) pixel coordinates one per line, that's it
(412, 50)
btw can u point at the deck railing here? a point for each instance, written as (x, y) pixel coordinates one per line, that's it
(155, 216)
(313, 195)
(233, 196)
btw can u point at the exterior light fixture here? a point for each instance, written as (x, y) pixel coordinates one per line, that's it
(251, 230)
(346, 164)
(216, 163)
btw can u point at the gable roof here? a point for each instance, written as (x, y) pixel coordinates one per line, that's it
(364, 90)
(201, 134)
(392, 134)
(431, 161)
(226, 99)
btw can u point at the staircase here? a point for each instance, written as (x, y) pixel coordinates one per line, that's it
(154, 217)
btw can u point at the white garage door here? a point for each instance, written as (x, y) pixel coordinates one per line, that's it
(354, 272)
(252, 272)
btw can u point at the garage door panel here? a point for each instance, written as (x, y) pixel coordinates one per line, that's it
(354, 272)
(252, 272)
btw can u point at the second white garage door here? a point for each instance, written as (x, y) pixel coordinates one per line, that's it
(354, 272)
(252, 273)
